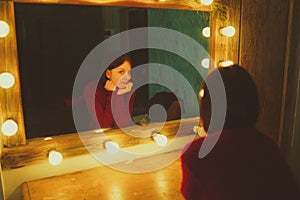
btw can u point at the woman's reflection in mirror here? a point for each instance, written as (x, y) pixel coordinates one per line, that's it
(113, 92)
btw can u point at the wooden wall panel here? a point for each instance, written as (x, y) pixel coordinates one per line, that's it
(11, 104)
(224, 48)
(262, 51)
(290, 127)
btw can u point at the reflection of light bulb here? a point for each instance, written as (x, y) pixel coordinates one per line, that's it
(161, 140)
(228, 31)
(111, 147)
(226, 63)
(9, 127)
(207, 2)
(4, 29)
(7, 80)
(55, 157)
(206, 32)
(205, 63)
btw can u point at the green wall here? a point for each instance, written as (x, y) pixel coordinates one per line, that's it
(190, 23)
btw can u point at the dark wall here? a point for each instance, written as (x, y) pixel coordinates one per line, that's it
(53, 40)
(189, 23)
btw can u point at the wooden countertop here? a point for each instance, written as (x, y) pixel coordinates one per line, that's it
(109, 184)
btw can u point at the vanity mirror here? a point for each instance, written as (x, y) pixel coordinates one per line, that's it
(17, 55)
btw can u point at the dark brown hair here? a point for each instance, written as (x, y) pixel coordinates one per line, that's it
(241, 96)
(116, 63)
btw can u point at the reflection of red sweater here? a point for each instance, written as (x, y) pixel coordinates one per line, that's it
(112, 110)
(243, 165)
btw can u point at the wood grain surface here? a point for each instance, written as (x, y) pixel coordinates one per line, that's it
(107, 183)
(11, 103)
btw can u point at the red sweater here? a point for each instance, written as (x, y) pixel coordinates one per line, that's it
(243, 165)
(105, 103)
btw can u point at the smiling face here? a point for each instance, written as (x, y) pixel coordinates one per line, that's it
(120, 75)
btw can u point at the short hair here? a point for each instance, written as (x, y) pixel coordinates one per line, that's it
(120, 60)
(241, 96)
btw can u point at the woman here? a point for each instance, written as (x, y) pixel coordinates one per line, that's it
(114, 97)
(244, 163)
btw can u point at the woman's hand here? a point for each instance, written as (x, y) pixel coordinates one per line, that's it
(126, 89)
(110, 86)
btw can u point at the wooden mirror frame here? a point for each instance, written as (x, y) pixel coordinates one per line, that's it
(18, 152)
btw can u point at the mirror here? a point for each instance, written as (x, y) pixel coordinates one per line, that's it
(53, 41)
(35, 150)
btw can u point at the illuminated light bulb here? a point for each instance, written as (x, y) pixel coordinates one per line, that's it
(206, 32)
(228, 31)
(48, 138)
(7, 80)
(205, 63)
(111, 147)
(4, 29)
(226, 63)
(201, 93)
(99, 130)
(161, 140)
(207, 2)
(199, 130)
(195, 129)
(55, 157)
(161, 0)
(9, 127)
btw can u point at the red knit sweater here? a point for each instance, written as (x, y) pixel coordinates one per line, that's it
(243, 165)
(112, 110)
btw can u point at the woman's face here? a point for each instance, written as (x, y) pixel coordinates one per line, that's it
(120, 75)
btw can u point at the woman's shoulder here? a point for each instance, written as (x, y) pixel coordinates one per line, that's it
(191, 150)
(100, 90)
(95, 88)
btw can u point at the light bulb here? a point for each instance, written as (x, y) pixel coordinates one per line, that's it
(4, 29)
(7, 80)
(161, 140)
(99, 130)
(201, 93)
(48, 138)
(228, 31)
(9, 127)
(195, 129)
(207, 2)
(206, 32)
(200, 131)
(55, 157)
(226, 63)
(111, 147)
(205, 63)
